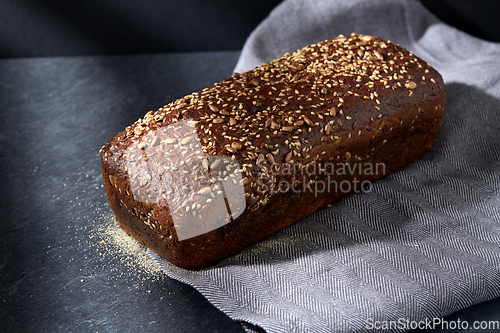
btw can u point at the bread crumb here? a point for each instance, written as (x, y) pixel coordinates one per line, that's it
(122, 247)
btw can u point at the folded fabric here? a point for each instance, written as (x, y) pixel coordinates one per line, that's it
(424, 242)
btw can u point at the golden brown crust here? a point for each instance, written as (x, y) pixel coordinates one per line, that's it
(358, 101)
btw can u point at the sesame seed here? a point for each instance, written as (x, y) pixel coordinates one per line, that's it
(308, 121)
(411, 85)
(236, 145)
(260, 159)
(295, 77)
(215, 164)
(328, 129)
(381, 125)
(205, 191)
(186, 140)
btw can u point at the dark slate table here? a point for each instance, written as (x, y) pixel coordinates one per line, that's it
(64, 265)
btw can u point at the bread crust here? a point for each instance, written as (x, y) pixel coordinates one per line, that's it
(217, 170)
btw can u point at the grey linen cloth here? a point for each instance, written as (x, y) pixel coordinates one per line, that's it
(424, 242)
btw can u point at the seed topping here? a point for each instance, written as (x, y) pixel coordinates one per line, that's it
(279, 112)
(411, 85)
(205, 191)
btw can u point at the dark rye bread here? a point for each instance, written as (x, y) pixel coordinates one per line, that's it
(215, 171)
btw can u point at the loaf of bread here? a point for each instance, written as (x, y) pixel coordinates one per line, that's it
(217, 170)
